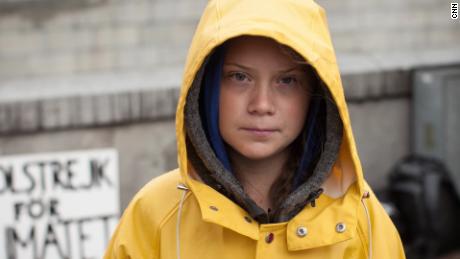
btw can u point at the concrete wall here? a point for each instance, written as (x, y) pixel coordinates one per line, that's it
(382, 133)
(54, 38)
(61, 38)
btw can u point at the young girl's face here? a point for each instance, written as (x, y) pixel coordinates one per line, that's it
(264, 98)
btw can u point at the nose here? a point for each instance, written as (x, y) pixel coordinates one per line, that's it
(261, 101)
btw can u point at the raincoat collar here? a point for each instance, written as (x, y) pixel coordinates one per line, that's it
(320, 221)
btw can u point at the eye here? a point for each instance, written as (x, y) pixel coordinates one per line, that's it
(288, 80)
(239, 76)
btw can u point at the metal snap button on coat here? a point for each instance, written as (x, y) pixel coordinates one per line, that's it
(340, 227)
(214, 208)
(366, 195)
(301, 231)
(269, 238)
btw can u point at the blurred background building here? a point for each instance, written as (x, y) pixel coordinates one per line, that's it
(88, 74)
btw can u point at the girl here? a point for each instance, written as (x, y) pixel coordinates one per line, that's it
(268, 166)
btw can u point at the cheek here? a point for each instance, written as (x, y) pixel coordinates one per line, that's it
(296, 112)
(224, 106)
(228, 109)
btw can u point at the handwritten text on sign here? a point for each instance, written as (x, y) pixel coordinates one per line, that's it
(58, 205)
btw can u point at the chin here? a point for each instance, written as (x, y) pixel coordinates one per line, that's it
(257, 154)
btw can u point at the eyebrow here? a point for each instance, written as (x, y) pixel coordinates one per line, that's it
(252, 69)
(238, 65)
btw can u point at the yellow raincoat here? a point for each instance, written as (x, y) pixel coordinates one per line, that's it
(178, 216)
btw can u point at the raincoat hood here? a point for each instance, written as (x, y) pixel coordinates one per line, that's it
(280, 21)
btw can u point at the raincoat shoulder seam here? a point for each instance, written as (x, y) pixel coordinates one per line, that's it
(172, 212)
(161, 185)
(165, 183)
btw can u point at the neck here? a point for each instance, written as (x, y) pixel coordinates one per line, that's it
(258, 176)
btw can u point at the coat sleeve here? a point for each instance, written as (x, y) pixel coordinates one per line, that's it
(136, 235)
(384, 237)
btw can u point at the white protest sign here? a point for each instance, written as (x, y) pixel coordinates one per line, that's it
(58, 205)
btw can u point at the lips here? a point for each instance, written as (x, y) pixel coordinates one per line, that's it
(260, 132)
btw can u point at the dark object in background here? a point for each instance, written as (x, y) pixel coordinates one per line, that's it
(427, 207)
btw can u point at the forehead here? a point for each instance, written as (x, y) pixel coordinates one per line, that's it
(259, 51)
